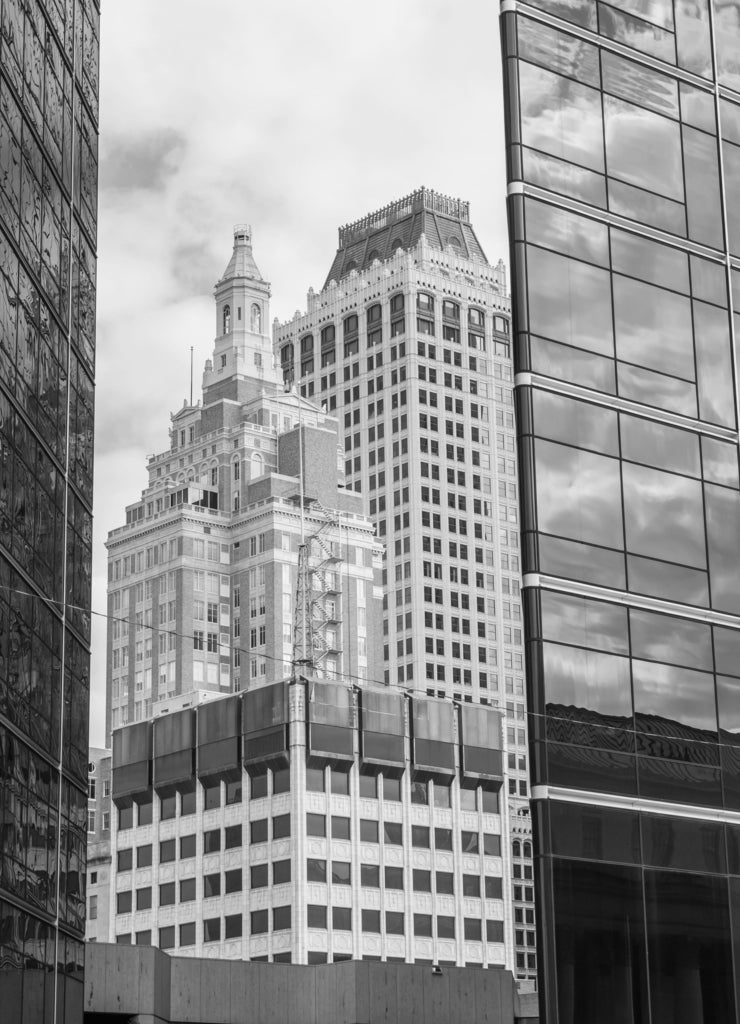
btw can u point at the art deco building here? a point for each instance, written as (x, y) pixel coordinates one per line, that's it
(624, 196)
(48, 212)
(203, 578)
(310, 821)
(408, 343)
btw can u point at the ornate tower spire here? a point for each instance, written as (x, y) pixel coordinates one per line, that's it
(243, 348)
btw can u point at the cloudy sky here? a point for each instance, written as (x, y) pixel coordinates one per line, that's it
(293, 116)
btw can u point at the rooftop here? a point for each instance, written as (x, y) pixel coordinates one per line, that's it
(442, 220)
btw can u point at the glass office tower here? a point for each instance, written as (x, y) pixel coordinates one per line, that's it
(623, 137)
(48, 210)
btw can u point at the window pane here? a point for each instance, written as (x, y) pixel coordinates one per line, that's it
(652, 499)
(590, 511)
(315, 870)
(584, 623)
(567, 232)
(653, 327)
(677, 694)
(575, 423)
(370, 875)
(599, 921)
(649, 261)
(654, 444)
(569, 301)
(664, 638)
(703, 205)
(688, 923)
(723, 536)
(630, 132)
(368, 830)
(561, 117)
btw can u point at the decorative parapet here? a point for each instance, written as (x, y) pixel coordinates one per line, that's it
(421, 199)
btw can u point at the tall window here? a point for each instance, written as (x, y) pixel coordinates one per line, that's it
(227, 319)
(256, 318)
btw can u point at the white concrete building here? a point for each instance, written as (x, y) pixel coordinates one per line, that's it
(311, 821)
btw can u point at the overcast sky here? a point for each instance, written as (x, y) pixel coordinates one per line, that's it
(292, 116)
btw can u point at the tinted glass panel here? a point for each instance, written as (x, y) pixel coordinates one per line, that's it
(728, 707)
(723, 536)
(567, 233)
(575, 423)
(720, 462)
(630, 132)
(652, 499)
(714, 365)
(683, 843)
(561, 117)
(649, 261)
(701, 171)
(678, 695)
(591, 512)
(558, 51)
(630, 81)
(576, 561)
(654, 444)
(594, 833)
(599, 921)
(688, 925)
(580, 367)
(584, 623)
(555, 281)
(663, 638)
(581, 678)
(653, 327)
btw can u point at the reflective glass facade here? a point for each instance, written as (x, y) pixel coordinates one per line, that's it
(48, 211)
(623, 145)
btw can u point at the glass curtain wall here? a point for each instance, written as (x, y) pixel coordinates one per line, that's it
(48, 212)
(623, 149)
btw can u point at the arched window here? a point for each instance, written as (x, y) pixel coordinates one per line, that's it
(227, 319)
(517, 848)
(257, 465)
(527, 849)
(256, 318)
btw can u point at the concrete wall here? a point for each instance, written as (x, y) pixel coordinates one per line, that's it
(153, 988)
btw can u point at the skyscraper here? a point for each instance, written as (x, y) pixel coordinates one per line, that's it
(202, 578)
(408, 341)
(624, 204)
(48, 211)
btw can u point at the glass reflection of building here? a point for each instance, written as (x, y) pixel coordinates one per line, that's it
(48, 210)
(623, 140)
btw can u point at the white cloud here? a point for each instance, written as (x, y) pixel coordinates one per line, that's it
(291, 116)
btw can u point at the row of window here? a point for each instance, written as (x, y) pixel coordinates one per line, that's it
(339, 873)
(275, 782)
(425, 306)
(317, 917)
(316, 825)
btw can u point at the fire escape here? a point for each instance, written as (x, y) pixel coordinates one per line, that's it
(318, 621)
